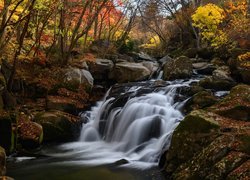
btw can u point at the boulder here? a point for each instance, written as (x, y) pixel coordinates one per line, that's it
(58, 126)
(165, 59)
(178, 68)
(100, 68)
(236, 105)
(220, 80)
(129, 72)
(75, 77)
(151, 66)
(205, 53)
(2, 162)
(146, 57)
(203, 68)
(200, 100)
(196, 131)
(30, 133)
(65, 104)
(7, 136)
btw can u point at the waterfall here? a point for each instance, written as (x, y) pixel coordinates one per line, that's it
(133, 123)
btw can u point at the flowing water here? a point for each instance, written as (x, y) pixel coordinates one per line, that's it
(130, 129)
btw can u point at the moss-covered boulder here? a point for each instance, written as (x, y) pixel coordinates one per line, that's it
(200, 100)
(30, 134)
(236, 105)
(216, 84)
(2, 162)
(215, 161)
(178, 68)
(196, 131)
(58, 126)
(7, 135)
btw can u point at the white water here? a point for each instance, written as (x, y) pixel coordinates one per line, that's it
(137, 132)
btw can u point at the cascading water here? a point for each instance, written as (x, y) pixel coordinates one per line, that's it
(133, 123)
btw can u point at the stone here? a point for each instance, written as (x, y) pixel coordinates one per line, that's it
(197, 130)
(100, 68)
(165, 59)
(236, 105)
(129, 72)
(216, 84)
(146, 57)
(75, 77)
(200, 100)
(30, 133)
(2, 162)
(58, 126)
(178, 68)
(203, 68)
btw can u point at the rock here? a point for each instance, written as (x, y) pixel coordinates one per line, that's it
(75, 77)
(61, 104)
(58, 126)
(151, 66)
(196, 131)
(191, 52)
(203, 68)
(30, 133)
(236, 105)
(216, 84)
(2, 162)
(223, 73)
(178, 68)
(7, 136)
(101, 68)
(200, 100)
(145, 57)
(165, 59)
(129, 72)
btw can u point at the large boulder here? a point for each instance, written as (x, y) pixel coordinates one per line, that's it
(178, 68)
(129, 72)
(75, 77)
(2, 162)
(236, 105)
(204, 68)
(100, 68)
(30, 133)
(58, 126)
(7, 136)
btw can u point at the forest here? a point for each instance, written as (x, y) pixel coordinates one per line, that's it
(124, 89)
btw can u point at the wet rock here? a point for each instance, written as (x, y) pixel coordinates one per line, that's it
(30, 133)
(129, 72)
(100, 68)
(236, 105)
(178, 68)
(2, 162)
(58, 126)
(195, 132)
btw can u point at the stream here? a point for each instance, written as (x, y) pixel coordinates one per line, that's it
(123, 137)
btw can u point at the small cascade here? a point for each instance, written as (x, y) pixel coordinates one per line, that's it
(136, 125)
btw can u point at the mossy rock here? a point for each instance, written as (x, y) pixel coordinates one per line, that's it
(178, 68)
(236, 105)
(58, 126)
(191, 52)
(216, 84)
(2, 162)
(200, 100)
(195, 132)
